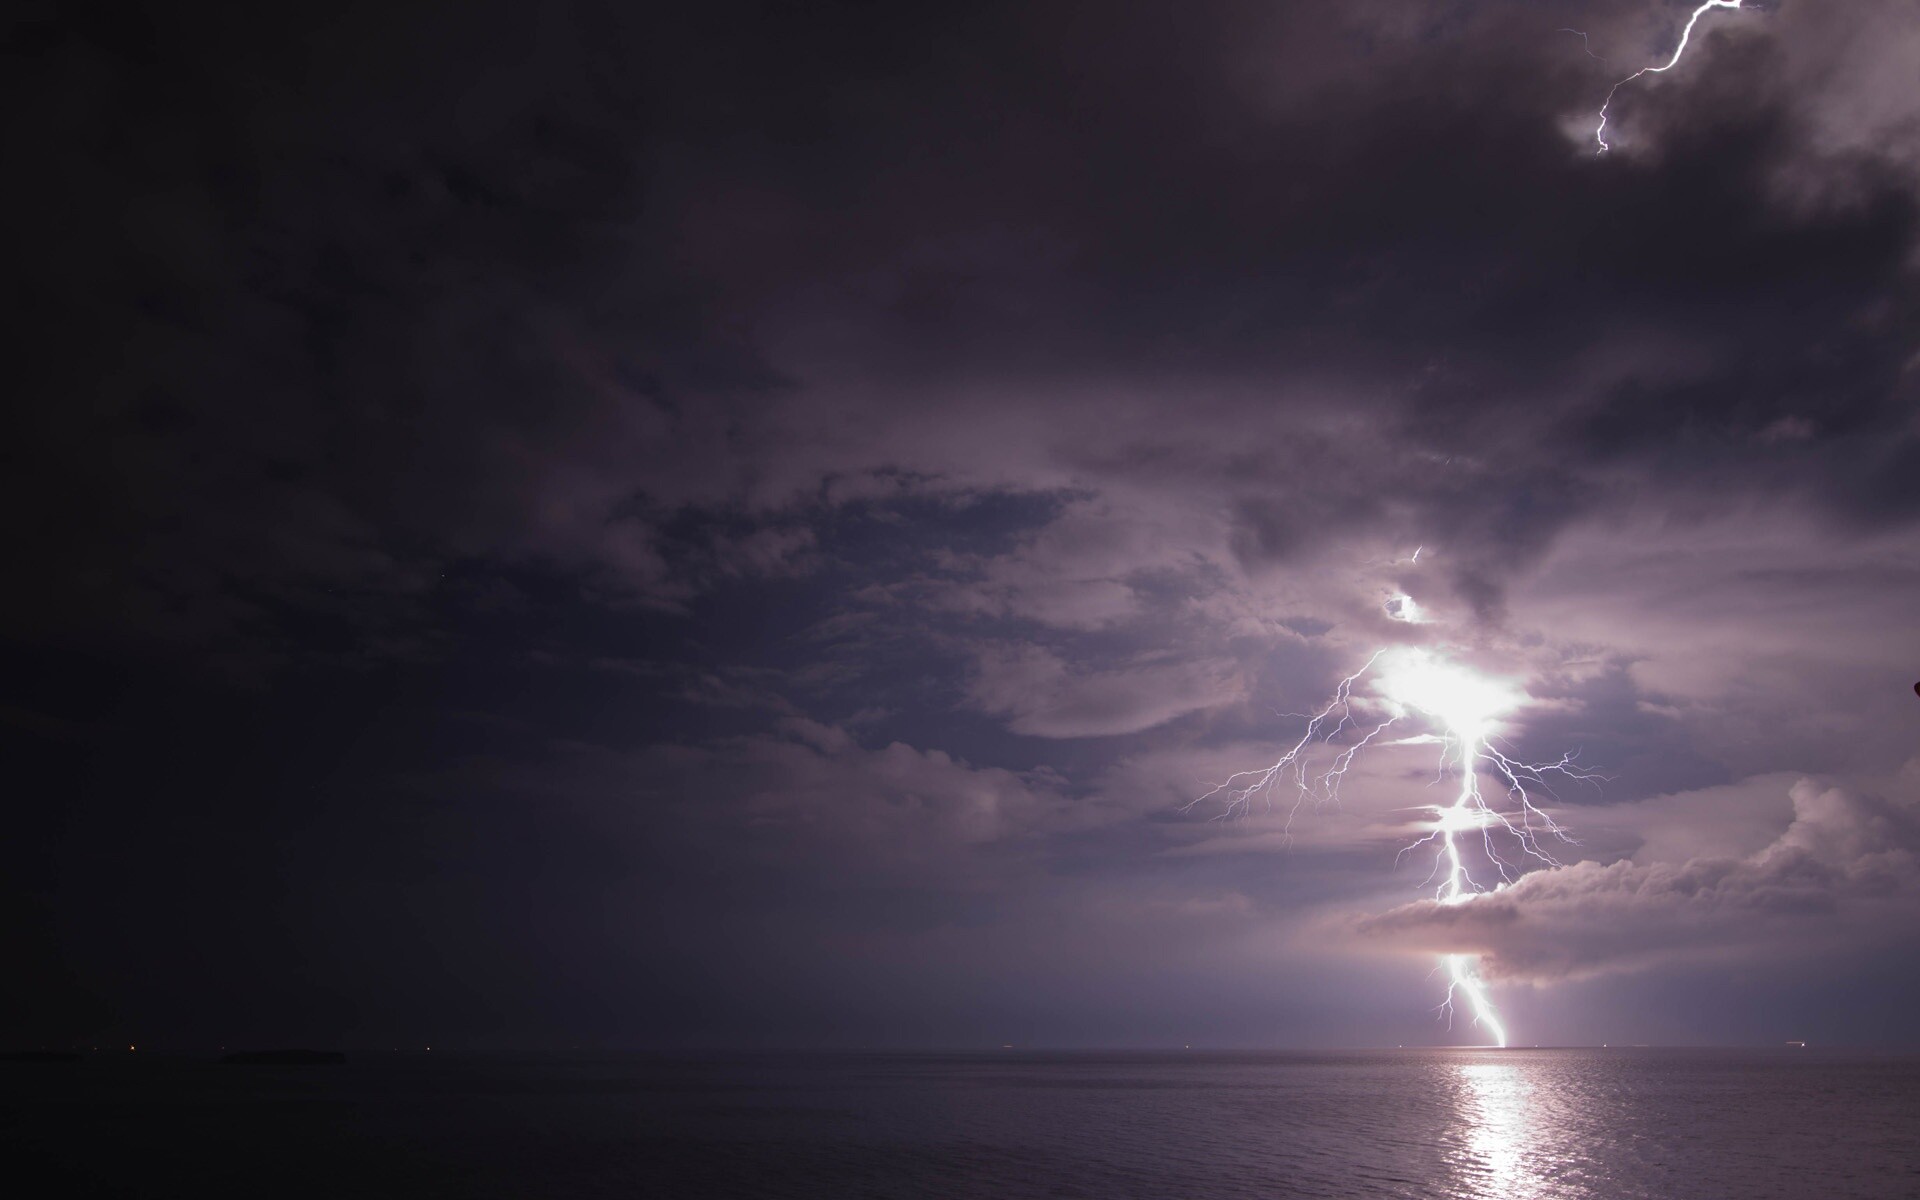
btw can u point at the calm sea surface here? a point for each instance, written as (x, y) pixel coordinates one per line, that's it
(1518, 1123)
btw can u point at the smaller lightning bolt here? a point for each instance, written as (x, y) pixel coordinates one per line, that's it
(1581, 34)
(1600, 130)
(1240, 788)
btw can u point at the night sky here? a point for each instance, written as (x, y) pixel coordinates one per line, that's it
(711, 525)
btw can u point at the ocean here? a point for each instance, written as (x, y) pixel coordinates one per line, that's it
(1525, 1124)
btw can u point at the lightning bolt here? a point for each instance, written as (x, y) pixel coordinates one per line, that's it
(1291, 771)
(1584, 41)
(1600, 130)
(1464, 708)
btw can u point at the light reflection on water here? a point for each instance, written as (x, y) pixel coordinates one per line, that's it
(1500, 1149)
(1411, 1125)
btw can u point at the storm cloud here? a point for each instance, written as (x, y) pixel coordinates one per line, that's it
(750, 475)
(1847, 861)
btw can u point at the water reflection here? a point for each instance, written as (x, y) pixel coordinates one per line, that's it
(1499, 1150)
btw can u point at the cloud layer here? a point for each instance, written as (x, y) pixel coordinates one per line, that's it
(1847, 862)
(807, 495)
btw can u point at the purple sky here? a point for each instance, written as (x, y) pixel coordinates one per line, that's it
(747, 524)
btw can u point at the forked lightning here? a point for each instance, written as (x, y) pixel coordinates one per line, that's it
(1462, 710)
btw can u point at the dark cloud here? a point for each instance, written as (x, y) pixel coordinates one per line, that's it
(735, 446)
(1039, 694)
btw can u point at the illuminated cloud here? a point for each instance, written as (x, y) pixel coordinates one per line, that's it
(1847, 863)
(1040, 694)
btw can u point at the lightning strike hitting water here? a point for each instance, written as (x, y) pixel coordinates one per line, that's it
(1464, 710)
(1600, 130)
